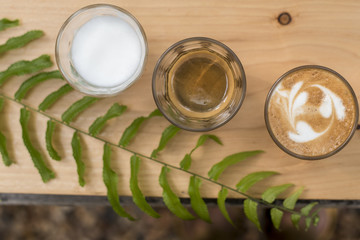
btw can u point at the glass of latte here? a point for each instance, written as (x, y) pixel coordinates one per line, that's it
(311, 112)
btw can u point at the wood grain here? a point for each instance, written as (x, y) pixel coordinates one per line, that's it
(321, 32)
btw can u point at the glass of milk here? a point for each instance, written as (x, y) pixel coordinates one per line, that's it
(101, 50)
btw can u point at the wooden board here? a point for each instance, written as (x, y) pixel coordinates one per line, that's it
(321, 32)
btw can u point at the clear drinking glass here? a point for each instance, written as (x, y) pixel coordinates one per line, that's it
(64, 44)
(311, 112)
(198, 84)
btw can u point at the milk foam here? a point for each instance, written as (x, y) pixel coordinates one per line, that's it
(336, 102)
(296, 99)
(106, 51)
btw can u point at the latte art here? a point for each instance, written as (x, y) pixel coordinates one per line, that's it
(294, 101)
(311, 112)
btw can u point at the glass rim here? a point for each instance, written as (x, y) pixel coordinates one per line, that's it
(282, 147)
(74, 15)
(238, 62)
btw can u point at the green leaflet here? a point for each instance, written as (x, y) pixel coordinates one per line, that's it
(269, 196)
(170, 199)
(276, 216)
(290, 202)
(186, 162)
(131, 131)
(48, 139)
(250, 209)
(219, 167)
(114, 111)
(221, 203)
(20, 41)
(6, 23)
(271, 193)
(110, 179)
(45, 173)
(137, 195)
(33, 81)
(308, 221)
(77, 153)
(2, 101)
(249, 180)
(3, 149)
(25, 67)
(166, 135)
(295, 219)
(77, 107)
(54, 96)
(306, 211)
(315, 217)
(197, 203)
(202, 139)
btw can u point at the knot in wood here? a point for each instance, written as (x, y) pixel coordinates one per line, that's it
(284, 18)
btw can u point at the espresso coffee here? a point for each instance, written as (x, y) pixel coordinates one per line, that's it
(200, 84)
(311, 112)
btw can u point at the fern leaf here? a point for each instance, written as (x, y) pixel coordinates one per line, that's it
(6, 23)
(48, 139)
(45, 173)
(132, 130)
(250, 209)
(186, 162)
(276, 217)
(166, 135)
(269, 196)
(3, 148)
(2, 102)
(315, 217)
(33, 81)
(203, 138)
(221, 203)
(54, 96)
(306, 211)
(115, 111)
(20, 41)
(77, 154)
(78, 107)
(26, 67)
(290, 202)
(110, 179)
(217, 169)
(271, 193)
(137, 195)
(197, 203)
(249, 180)
(170, 199)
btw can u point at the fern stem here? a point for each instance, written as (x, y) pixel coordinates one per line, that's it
(155, 160)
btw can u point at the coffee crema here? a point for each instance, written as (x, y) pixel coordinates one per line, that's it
(311, 112)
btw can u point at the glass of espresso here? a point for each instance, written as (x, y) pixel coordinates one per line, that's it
(199, 84)
(311, 112)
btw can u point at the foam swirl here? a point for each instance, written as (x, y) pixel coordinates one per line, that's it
(293, 102)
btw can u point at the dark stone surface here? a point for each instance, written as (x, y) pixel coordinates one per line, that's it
(100, 222)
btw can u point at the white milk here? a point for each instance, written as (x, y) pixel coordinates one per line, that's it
(107, 51)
